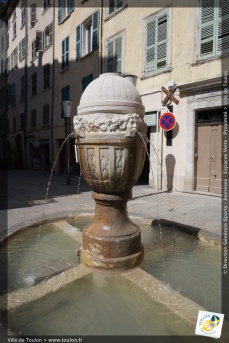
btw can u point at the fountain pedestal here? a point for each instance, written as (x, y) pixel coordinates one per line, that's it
(110, 134)
(112, 240)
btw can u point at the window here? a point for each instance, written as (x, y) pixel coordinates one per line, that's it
(13, 93)
(65, 95)
(86, 80)
(14, 14)
(14, 58)
(65, 7)
(9, 94)
(46, 76)
(114, 53)
(14, 124)
(48, 34)
(46, 4)
(33, 14)
(8, 64)
(22, 120)
(7, 40)
(115, 5)
(2, 96)
(34, 49)
(14, 29)
(45, 115)
(156, 43)
(2, 67)
(213, 28)
(22, 86)
(87, 35)
(7, 24)
(33, 118)
(65, 53)
(23, 15)
(21, 48)
(2, 42)
(34, 83)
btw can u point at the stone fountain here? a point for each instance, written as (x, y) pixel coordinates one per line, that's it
(111, 155)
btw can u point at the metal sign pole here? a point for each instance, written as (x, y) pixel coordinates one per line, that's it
(157, 119)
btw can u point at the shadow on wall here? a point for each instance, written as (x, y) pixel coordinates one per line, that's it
(170, 162)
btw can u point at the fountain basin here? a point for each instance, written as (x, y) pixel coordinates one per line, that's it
(132, 302)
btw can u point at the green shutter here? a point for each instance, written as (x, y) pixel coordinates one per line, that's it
(95, 30)
(223, 26)
(207, 30)
(150, 46)
(79, 41)
(118, 55)
(162, 32)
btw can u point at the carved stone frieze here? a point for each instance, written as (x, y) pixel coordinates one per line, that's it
(109, 122)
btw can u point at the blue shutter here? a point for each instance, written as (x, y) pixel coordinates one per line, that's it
(71, 5)
(79, 41)
(65, 95)
(86, 80)
(95, 30)
(59, 11)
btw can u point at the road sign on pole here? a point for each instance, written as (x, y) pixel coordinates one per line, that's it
(167, 121)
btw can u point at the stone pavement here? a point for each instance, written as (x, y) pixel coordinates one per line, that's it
(27, 191)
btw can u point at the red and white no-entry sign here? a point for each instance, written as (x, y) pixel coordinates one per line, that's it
(167, 121)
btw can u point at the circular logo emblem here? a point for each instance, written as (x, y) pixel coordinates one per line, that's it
(208, 325)
(167, 121)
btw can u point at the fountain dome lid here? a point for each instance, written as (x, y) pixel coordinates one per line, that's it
(111, 93)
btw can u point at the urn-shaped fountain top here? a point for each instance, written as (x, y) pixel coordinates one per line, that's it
(111, 93)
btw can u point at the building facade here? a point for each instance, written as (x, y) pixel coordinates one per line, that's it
(176, 53)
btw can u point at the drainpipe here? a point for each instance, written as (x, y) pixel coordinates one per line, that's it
(157, 118)
(101, 41)
(26, 81)
(53, 69)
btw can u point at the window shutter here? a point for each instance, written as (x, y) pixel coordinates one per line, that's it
(39, 40)
(13, 93)
(223, 26)
(86, 81)
(162, 31)
(119, 3)
(118, 54)
(23, 47)
(79, 41)
(150, 46)
(64, 96)
(16, 56)
(20, 50)
(50, 34)
(207, 29)
(95, 30)
(111, 6)
(71, 5)
(59, 11)
(33, 13)
(110, 56)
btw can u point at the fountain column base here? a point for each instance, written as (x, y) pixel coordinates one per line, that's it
(112, 240)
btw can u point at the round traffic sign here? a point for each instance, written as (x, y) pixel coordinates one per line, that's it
(167, 121)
